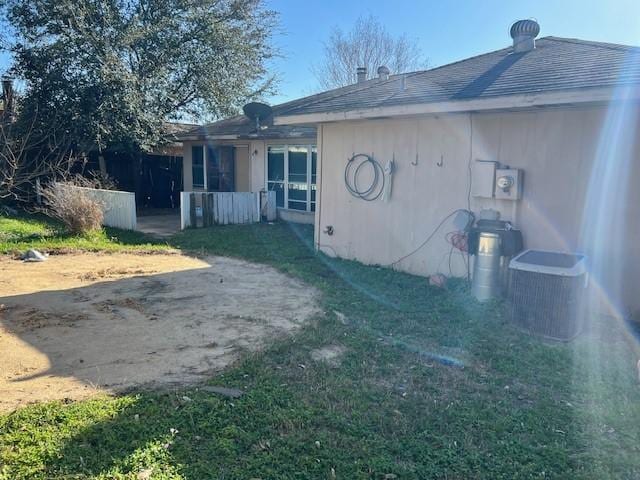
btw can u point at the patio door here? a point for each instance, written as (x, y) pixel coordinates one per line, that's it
(220, 169)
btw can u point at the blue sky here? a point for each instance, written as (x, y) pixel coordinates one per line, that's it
(445, 30)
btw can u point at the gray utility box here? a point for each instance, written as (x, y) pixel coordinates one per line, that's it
(547, 293)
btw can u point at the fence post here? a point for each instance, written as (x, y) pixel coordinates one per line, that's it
(256, 207)
(193, 219)
(184, 210)
(271, 206)
(216, 208)
(210, 209)
(205, 209)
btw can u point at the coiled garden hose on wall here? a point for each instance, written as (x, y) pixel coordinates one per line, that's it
(354, 170)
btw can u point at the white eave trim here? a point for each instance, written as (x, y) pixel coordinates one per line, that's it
(532, 100)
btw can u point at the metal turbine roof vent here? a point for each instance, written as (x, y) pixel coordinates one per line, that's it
(524, 33)
(383, 72)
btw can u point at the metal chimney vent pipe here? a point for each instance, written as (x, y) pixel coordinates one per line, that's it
(524, 33)
(361, 74)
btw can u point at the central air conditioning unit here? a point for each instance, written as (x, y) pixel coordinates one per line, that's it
(547, 293)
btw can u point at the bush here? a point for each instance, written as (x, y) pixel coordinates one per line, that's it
(94, 179)
(73, 206)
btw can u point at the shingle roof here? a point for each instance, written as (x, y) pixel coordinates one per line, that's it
(242, 128)
(555, 64)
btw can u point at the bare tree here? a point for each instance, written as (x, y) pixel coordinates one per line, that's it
(367, 44)
(27, 155)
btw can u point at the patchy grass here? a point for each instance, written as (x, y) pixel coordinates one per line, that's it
(18, 234)
(430, 385)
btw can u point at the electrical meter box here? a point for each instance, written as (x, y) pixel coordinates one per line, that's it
(508, 182)
(484, 177)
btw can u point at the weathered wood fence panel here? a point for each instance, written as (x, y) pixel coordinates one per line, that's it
(268, 205)
(223, 208)
(119, 208)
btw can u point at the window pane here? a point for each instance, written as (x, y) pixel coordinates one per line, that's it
(298, 164)
(279, 189)
(197, 165)
(213, 158)
(275, 164)
(297, 205)
(298, 191)
(297, 187)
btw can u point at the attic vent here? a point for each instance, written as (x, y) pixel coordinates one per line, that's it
(383, 72)
(524, 33)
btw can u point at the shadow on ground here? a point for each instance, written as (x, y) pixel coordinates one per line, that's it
(150, 329)
(388, 407)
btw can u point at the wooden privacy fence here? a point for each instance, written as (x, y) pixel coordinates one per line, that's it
(224, 208)
(119, 208)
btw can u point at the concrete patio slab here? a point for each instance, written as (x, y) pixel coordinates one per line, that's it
(161, 226)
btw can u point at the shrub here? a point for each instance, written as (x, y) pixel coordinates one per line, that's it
(95, 179)
(73, 206)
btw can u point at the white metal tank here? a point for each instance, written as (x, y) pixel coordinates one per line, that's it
(486, 269)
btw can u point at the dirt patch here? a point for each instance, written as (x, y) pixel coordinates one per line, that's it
(84, 323)
(330, 354)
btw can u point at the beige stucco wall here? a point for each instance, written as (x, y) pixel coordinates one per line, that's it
(187, 177)
(257, 152)
(242, 168)
(554, 147)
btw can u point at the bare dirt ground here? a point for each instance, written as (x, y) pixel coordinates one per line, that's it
(85, 323)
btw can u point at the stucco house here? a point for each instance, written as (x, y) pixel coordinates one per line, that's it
(538, 113)
(544, 108)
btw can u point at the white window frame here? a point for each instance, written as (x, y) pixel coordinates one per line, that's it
(285, 181)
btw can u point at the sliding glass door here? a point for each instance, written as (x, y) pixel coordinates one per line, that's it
(291, 173)
(298, 183)
(275, 172)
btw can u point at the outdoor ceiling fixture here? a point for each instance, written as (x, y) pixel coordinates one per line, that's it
(257, 112)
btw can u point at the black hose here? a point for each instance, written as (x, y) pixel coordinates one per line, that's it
(375, 188)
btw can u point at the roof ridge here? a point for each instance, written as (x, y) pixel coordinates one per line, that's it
(372, 82)
(375, 81)
(463, 60)
(579, 41)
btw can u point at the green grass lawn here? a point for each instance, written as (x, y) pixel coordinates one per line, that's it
(17, 234)
(431, 385)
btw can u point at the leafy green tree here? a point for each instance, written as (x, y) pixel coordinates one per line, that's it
(110, 72)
